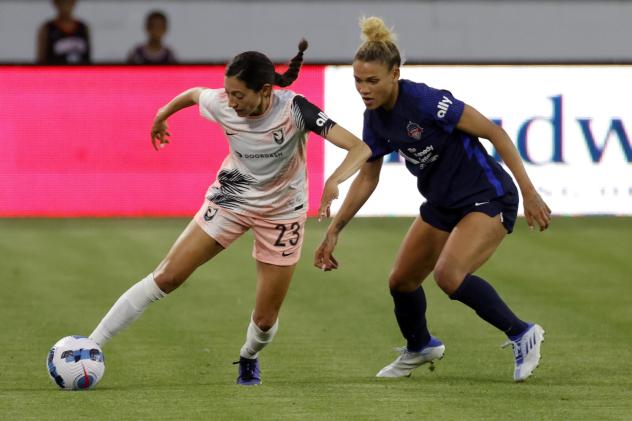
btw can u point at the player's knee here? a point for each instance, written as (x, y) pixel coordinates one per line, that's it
(394, 281)
(447, 277)
(167, 280)
(398, 281)
(265, 322)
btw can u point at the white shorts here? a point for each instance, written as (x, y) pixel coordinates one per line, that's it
(277, 241)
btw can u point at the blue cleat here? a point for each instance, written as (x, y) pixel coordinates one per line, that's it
(249, 373)
(526, 349)
(404, 365)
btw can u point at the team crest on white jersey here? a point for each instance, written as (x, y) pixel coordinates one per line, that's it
(278, 136)
(210, 213)
(414, 130)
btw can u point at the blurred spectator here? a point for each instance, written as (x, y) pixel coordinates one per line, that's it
(63, 40)
(153, 51)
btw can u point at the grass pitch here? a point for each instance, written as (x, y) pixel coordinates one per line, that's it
(59, 277)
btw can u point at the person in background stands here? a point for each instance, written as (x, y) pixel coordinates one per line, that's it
(153, 51)
(63, 40)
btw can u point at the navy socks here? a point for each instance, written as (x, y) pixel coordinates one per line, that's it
(410, 312)
(475, 292)
(479, 295)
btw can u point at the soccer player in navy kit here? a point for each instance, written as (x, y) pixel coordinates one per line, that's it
(471, 201)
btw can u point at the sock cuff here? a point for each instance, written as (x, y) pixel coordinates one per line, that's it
(264, 334)
(456, 295)
(152, 289)
(395, 293)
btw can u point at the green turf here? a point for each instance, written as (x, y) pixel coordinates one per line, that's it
(59, 277)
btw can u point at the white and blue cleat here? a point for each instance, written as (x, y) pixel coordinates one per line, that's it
(408, 360)
(526, 348)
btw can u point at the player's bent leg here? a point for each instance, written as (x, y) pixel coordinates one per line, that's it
(273, 283)
(415, 259)
(193, 248)
(471, 243)
(126, 309)
(416, 256)
(190, 250)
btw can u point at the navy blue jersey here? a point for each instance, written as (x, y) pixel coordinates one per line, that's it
(452, 167)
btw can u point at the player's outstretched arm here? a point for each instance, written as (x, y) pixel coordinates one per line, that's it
(160, 130)
(535, 209)
(357, 154)
(359, 192)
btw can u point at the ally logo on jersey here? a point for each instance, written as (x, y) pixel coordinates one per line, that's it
(443, 106)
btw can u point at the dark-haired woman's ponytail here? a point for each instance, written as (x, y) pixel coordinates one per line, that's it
(291, 73)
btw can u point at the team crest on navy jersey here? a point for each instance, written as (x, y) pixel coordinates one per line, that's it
(278, 136)
(414, 130)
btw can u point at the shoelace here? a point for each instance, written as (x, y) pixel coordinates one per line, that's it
(515, 346)
(247, 368)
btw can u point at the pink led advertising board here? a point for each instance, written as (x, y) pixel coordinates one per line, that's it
(74, 141)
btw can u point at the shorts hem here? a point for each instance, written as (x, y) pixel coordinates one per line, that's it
(199, 224)
(276, 262)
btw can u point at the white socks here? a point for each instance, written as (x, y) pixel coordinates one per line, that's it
(257, 339)
(127, 309)
(135, 300)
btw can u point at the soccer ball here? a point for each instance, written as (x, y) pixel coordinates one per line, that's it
(75, 362)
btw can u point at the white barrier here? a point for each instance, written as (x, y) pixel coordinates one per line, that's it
(571, 124)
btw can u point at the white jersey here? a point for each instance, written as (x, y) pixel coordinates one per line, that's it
(264, 174)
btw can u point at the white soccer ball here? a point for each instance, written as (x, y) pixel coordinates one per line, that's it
(75, 362)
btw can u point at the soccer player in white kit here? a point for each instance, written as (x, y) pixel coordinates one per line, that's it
(261, 185)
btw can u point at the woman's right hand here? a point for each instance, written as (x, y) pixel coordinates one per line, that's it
(323, 257)
(160, 133)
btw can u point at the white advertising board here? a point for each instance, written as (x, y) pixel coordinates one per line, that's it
(572, 126)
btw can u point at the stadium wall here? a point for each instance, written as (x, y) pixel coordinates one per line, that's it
(429, 31)
(75, 141)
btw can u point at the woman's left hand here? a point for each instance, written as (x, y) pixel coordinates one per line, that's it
(330, 192)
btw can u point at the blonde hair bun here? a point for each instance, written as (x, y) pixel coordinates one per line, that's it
(374, 29)
(378, 43)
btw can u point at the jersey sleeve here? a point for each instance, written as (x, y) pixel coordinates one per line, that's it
(379, 146)
(208, 98)
(440, 106)
(308, 116)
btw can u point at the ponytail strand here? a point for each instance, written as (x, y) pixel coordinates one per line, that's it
(291, 73)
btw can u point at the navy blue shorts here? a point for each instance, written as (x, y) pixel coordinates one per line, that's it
(446, 219)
